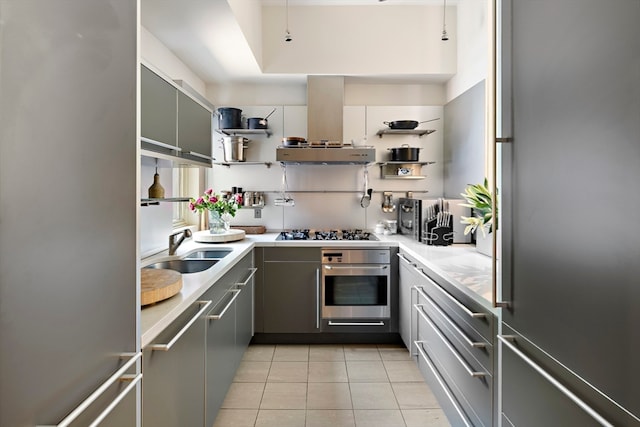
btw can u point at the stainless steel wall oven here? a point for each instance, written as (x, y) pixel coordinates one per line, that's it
(356, 283)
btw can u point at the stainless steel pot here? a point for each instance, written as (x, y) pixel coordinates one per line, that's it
(233, 147)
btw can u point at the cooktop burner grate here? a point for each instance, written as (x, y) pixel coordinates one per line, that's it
(307, 234)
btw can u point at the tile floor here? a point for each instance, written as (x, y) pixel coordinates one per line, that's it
(329, 385)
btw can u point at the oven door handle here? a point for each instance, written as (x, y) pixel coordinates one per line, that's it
(334, 267)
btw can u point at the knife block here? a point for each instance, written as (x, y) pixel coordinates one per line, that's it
(437, 236)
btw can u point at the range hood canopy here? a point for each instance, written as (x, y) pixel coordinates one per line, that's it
(326, 156)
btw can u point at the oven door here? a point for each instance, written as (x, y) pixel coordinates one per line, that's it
(356, 291)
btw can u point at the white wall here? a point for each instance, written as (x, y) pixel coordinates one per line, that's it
(472, 41)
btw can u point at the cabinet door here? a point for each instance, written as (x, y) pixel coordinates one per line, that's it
(221, 355)
(194, 127)
(407, 281)
(291, 297)
(158, 108)
(173, 386)
(244, 315)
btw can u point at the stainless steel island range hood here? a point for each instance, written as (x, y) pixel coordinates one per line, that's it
(325, 100)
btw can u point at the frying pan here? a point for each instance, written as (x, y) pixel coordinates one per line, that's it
(406, 124)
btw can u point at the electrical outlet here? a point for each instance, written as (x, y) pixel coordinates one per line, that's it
(257, 213)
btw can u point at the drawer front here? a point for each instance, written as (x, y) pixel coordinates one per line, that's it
(468, 314)
(465, 339)
(468, 380)
(292, 254)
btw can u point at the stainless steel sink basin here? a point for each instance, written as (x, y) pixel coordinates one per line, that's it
(209, 254)
(185, 265)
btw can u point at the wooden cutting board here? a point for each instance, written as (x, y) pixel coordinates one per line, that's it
(251, 229)
(158, 284)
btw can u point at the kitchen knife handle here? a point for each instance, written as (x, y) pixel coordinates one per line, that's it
(506, 341)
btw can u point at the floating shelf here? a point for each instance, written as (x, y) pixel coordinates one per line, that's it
(245, 132)
(229, 164)
(388, 170)
(418, 132)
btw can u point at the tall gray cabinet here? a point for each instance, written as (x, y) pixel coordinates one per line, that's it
(570, 340)
(68, 200)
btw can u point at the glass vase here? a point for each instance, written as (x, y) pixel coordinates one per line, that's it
(217, 224)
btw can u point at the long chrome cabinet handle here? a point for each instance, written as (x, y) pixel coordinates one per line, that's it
(252, 272)
(317, 298)
(443, 385)
(333, 267)
(167, 346)
(160, 144)
(505, 340)
(196, 154)
(405, 259)
(449, 321)
(452, 349)
(118, 375)
(450, 297)
(235, 293)
(381, 323)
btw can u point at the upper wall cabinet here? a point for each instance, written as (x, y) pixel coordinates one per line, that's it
(174, 125)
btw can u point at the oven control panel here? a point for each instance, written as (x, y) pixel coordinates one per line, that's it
(356, 256)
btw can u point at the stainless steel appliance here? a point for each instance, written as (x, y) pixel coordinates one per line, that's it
(356, 283)
(307, 234)
(329, 154)
(410, 217)
(570, 328)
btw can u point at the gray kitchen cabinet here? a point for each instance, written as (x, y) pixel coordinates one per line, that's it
(229, 330)
(290, 290)
(454, 348)
(68, 268)
(408, 279)
(174, 372)
(158, 108)
(194, 129)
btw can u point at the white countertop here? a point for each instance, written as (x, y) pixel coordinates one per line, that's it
(461, 265)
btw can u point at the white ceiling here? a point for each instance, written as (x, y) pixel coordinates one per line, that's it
(205, 35)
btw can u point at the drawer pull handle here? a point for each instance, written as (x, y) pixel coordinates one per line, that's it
(252, 272)
(443, 385)
(235, 292)
(360, 267)
(465, 365)
(118, 375)
(160, 144)
(475, 344)
(450, 297)
(405, 259)
(505, 340)
(167, 346)
(356, 323)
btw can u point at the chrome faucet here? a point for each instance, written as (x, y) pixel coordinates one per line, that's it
(173, 243)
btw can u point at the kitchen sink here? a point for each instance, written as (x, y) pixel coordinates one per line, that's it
(209, 254)
(185, 265)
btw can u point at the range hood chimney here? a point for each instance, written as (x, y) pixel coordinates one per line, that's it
(325, 101)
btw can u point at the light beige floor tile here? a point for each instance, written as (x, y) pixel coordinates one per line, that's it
(425, 417)
(291, 353)
(243, 396)
(259, 353)
(236, 418)
(414, 396)
(280, 418)
(372, 396)
(361, 352)
(379, 418)
(284, 396)
(403, 371)
(394, 353)
(252, 372)
(326, 353)
(371, 371)
(330, 418)
(328, 372)
(328, 396)
(288, 372)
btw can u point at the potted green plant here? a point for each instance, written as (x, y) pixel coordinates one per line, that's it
(479, 199)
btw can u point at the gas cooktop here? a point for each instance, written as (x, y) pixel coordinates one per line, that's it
(306, 234)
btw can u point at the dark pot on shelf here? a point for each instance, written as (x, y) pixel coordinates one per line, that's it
(229, 118)
(404, 153)
(259, 122)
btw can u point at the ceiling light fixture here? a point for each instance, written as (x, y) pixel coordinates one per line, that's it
(444, 37)
(287, 34)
